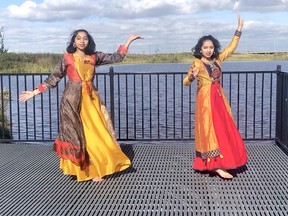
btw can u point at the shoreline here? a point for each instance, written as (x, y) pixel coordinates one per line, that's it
(43, 62)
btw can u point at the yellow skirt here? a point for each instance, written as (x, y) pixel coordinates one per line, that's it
(106, 157)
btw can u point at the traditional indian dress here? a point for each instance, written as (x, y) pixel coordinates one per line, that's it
(218, 143)
(86, 142)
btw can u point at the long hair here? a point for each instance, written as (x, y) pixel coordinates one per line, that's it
(197, 49)
(90, 49)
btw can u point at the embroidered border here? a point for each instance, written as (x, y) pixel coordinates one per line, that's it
(210, 154)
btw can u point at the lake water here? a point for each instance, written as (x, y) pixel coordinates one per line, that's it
(146, 95)
(183, 67)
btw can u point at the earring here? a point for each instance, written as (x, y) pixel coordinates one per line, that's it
(74, 45)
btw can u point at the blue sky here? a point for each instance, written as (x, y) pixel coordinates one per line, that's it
(167, 25)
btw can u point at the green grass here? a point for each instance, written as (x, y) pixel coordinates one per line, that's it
(45, 62)
(28, 63)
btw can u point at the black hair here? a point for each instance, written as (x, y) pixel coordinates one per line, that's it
(197, 49)
(90, 49)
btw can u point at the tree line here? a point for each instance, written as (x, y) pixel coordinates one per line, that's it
(2, 47)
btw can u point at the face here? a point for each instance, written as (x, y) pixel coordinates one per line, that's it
(81, 41)
(207, 49)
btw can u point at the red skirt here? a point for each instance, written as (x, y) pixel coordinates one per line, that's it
(232, 149)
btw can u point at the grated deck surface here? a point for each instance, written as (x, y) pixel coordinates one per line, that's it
(162, 182)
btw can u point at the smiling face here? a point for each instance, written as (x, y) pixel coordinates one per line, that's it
(207, 49)
(81, 40)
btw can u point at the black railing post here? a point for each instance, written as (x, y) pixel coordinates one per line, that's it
(278, 68)
(278, 105)
(111, 75)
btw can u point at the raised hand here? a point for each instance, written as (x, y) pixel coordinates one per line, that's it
(131, 39)
(193, 71)
(240, 23)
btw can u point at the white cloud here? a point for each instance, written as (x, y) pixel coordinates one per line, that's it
(166, 25)
(51, 10)
(24, 11)
(262, 5)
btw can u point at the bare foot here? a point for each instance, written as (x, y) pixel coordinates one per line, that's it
(224, 174)
(97, 179)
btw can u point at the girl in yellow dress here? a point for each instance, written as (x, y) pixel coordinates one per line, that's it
(86, 143)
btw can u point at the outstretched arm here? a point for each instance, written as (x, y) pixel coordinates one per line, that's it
(109, 58)
(51, 82)
(25, 95)
(234, 43)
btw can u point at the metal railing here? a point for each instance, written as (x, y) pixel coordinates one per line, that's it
(146, 106)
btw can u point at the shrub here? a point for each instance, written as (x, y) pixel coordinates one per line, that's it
(4, 123)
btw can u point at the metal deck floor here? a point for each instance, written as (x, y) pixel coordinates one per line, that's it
(161, 183)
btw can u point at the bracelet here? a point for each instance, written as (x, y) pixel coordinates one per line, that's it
(238, 33)
(33, 94)
(191, 78)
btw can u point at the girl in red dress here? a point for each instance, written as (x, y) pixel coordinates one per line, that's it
(218, 143)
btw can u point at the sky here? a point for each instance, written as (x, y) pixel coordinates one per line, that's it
(168, 26)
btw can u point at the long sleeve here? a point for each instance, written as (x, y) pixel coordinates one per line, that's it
(108, 58)
(229, 49)
(55, 77)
